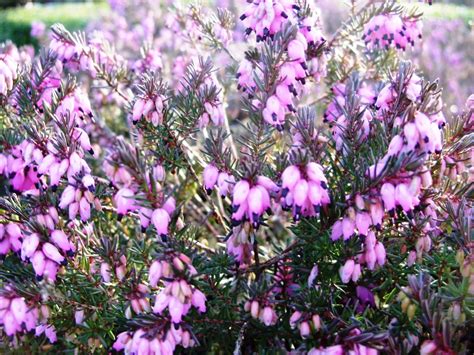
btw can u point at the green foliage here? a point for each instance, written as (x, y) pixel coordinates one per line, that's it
(450, 12)
(15, 23)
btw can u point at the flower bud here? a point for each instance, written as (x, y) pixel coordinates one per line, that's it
(305, 330)
(345, 272)
(254, 309)
(79, 316)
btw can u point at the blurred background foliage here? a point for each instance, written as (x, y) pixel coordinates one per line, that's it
(15, 21)
(16, 15)
(447, 52)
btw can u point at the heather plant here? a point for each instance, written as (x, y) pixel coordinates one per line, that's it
(233, 178)
(444, 54)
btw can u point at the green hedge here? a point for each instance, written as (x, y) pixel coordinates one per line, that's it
(15, 23)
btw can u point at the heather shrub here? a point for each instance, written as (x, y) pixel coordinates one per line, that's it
(233, 178)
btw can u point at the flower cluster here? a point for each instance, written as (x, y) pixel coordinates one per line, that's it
(304, 189)
(11, 238)
(178, 295)
(337, 119)
(306, 323)
(302, 59)
(47, 257)
(132, 185)
(17, 315)
(347, 347)
(251, 199)
(78, 197)
(391, 31)
(138, 299)
(29, 163)
(161, 339)
(150, 108)
(151, 61)
(36, 167)
(239, 243)
(261, 310)
(90, 55)
(8, 70)
(374, 254)
(266, 18)
(419, 135)
(119, 267)
(213, 177)
(214, 106)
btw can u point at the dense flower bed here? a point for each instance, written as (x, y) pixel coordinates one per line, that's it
(236, 179)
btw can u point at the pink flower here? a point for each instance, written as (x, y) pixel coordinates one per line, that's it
(38, 261)
(274, 113)
(268, 316)
(67, 197)
(363, 222)
(411, 258)
(345, 272)
(83, 139)
(122, 339)
(428, 347)
(312, 275)
(296, 51)
(8, 73)
(176, 310)
(380, 253)
(387, 192)
(84, 209)
(356, 273)
(290, 176)
(50, 333)
(161, 219)
(376, 212)
(240, 194)
(250, 202)
(51, 252)
(305, 330)
(29, 245)
(244, 75)
(225, 183)
(60, 238)
(105, 272)
(37, 29)
(285, 96)
(79, 316)
(159, 172)
(295, 317)
(210, 176)
(403, 197)
(138, 109)
(124, 201)
(254, 309)
(348, 227)
(199, 301)
(155, 273)
(145, 217)
(336, 231)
